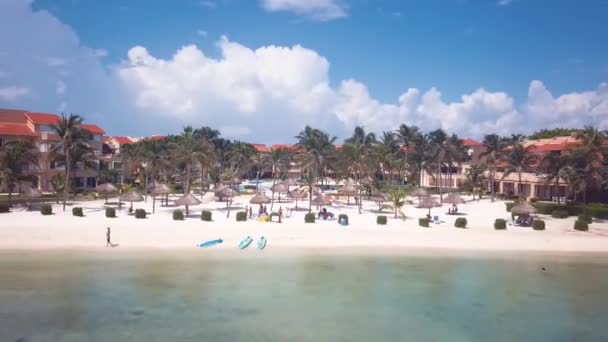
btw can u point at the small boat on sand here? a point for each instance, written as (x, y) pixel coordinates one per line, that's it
(262, 243)
(245, 243)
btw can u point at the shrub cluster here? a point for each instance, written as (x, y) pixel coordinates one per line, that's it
(538, 225)
(424, 222)
(110, 212)
(581, 225)
(500, 224)
(381, 220)
(4, 208)
(585, 218)
(46, 210)
(309, 218)
(178, 215)
(140, 213)
(343, 218)
(559, 213)
(460, 222)
(241, 216)
(77, 211)
(206, 216)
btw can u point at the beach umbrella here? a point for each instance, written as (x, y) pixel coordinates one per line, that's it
(420, 192)
(259, 198)
(320, 200)
(280, 188)
(428, 203)
(187, 200)
(367, 180)
(523, 208)
(348, 189)
(106, 189)
(295, 194)
(228, 192)
(132, 196)
(454, 199)
(290, 182)
(158, 189)
(30, 193)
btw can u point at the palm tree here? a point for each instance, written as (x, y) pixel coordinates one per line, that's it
(553, 166)
(186, 149)
(319, 146)
(387, 154)
(493, 149)
(15, 158)
(518, 158)
(438, 154)
(359, 135)
(260, 163)
(355, 155)
(279, 161)
(595, 151)
(57, 185)
(397, 198)
(416, 146)
(475, 179)
(72, 140)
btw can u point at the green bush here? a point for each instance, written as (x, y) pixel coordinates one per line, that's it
(381, 220)
(309, 218)
(585, 218)
(460, 222)
(206, 216)
(581, 225)
(178, 215)
(46, 210)
(110, 212)
(241, 216)
(559, 213)
(4, 208)
(597, 210)
(77, 211)
(533, 200)
(140, 213)
(538, 225)
(424, 222)
(509, 205)
(343, 217)
(500, 224)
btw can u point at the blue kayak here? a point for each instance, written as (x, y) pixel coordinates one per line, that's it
(210, 243)
(262, 243)
(245, 243)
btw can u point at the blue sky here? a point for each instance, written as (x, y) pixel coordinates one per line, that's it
(466, 66)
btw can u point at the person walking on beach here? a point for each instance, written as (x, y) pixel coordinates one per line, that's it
(108, 238)
(250, 212)
(280, 214)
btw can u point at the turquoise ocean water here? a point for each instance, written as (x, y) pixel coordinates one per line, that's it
(174, 296)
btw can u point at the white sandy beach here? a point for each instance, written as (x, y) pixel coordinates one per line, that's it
(30, 230)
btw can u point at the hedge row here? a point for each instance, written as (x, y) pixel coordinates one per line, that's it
(595, 210)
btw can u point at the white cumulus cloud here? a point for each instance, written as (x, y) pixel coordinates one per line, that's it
(12, 93)
(322, 10)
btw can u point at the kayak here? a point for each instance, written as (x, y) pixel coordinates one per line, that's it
(245, 243)
(210, 243)
(262, 243)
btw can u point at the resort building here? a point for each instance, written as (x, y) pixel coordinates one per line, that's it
(455, 176)
(37, 127)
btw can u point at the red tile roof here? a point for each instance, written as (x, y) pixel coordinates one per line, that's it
(13, 116)
(470, 142)
(157, 137)
(261, 148)
(43, 118)
(122, 140)
(290, 147)
(93, 129)
(16, 129)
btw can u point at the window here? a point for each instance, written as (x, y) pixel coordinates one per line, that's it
(91, 137)
(91, 182)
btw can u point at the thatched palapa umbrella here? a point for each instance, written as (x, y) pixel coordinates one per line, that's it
(158, 189)
(31, 193)
(279, 188)
(523, 209)
(106, 189)
(230, 193)
(188, 200)
(428, 203)
(259, 198)
(349, 189)
(454, 198)
(132, 196)
(296, 194)
(420, 192)
(320, 200)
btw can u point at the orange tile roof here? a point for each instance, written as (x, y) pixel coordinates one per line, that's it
(157, 137)
(16, 129)
(470, 142)
(13, 116)
(93, 129)
(290, 147)
(261, 148)
(122, 140)
(43, 118)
